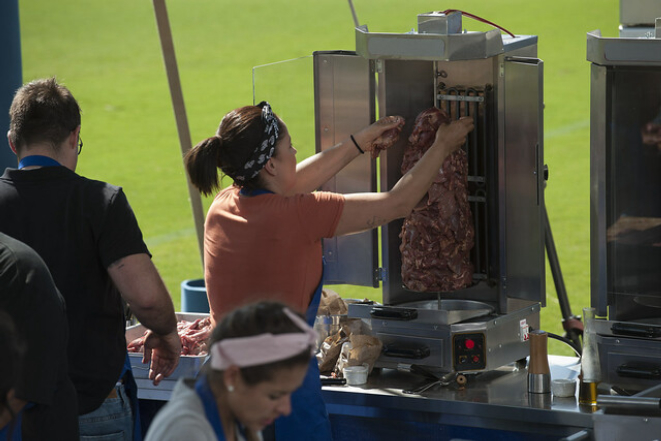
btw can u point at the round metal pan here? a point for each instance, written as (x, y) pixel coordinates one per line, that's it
(457, 310)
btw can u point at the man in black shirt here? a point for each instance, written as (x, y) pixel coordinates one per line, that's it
(43, 389)
(87, 234)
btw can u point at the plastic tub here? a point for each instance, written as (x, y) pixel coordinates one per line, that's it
(194, 296)
(355, 375)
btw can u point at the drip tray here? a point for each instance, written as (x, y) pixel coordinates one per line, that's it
(454, 311)
(443, 312)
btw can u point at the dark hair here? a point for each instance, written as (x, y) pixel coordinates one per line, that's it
(253, 319)
(42, 111)
(240, 132)
(12, 352)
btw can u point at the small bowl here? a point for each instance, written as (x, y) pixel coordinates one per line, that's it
(563, 388)
(355, 375)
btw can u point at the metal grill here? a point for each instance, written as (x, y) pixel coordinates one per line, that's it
(475, 102)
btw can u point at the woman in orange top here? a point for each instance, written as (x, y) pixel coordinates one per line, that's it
(263, 234)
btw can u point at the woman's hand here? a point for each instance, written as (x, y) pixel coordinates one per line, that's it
(452, 136)
(380, 135)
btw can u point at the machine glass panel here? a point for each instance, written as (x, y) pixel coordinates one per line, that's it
(633, 181)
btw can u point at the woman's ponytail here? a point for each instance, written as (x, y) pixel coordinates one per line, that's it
(202, 165)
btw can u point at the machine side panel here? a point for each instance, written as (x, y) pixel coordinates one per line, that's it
(344, 104)
(406, 87)
(599, 109)
(522, 180)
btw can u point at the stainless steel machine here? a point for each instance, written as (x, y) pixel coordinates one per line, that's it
(637, 18)
(625, 142)
(498, 80)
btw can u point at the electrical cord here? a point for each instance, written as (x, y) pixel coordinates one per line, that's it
(568, 342)
(475, 17)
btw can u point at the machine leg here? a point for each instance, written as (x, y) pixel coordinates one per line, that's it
(572, 324)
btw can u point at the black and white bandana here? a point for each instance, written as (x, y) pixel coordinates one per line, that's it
(265, 150)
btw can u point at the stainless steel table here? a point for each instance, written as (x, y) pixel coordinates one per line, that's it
(493, 405)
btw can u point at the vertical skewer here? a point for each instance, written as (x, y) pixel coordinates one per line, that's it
(353, 12)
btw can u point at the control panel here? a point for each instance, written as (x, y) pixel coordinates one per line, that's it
(468, 351)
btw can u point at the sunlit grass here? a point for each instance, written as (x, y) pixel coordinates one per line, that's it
(109, 54)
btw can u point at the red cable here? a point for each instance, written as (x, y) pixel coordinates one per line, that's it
(475, 17)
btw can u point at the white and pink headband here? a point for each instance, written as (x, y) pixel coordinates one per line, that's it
(263, 348)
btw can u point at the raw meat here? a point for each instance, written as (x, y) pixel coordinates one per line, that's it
(386, 140)
(193, 335)
(438, 235)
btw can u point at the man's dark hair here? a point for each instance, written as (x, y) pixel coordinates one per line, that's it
(42, 111)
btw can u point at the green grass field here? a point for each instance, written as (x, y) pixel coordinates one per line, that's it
(108, 54)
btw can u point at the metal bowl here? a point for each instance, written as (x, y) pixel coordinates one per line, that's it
(454, 310)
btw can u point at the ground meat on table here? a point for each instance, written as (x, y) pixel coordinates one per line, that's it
(437, 237)
(193, 335)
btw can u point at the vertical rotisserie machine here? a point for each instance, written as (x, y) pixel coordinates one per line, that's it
(496, 79)
(625, 212)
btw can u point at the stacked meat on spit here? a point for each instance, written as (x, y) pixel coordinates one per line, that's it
(438, 235)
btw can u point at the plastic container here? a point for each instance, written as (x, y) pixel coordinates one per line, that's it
(189, 365)
(563, 388)
(355, 375)
(194, 296)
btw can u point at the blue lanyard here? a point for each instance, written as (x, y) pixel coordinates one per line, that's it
(255, 192)
(43, 161)
(210, 407)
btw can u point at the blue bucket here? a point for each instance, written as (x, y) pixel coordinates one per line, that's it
(194, 296)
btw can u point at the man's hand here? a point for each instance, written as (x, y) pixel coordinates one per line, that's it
(141, 286)
(163, 351)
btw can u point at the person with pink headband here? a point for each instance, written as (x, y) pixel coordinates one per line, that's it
(258, 356)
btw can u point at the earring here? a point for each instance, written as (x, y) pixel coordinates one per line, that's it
(230, 388)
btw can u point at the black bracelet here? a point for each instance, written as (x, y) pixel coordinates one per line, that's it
(362, 152)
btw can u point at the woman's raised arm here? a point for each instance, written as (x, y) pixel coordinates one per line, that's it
(314, 171)
(364, 211)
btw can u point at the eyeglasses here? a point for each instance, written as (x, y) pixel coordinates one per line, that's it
(80, 144)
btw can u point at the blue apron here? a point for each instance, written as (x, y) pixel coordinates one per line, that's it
(211, 411)
(210, 407)
(309, 418)
(16, 431)
(131, 389)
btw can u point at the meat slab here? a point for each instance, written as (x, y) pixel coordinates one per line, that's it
(437, 236)
(386, 140)
(193, 335)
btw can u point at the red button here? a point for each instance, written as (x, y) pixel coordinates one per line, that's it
(476, 358)
(470, 344)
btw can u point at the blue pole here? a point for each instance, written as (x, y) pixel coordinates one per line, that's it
(11, 74)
